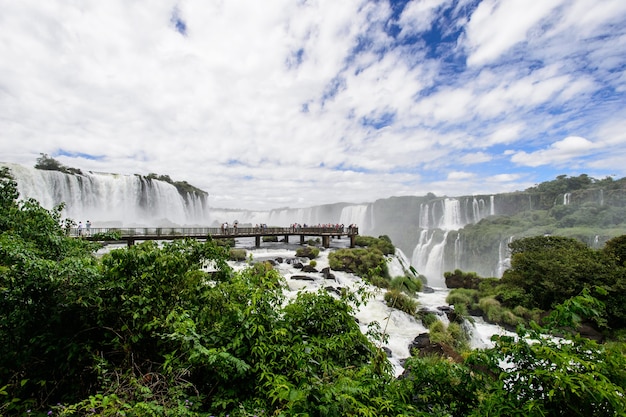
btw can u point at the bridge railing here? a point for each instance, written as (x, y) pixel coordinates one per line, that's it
(213, 231)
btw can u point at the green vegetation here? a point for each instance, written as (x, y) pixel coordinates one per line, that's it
(382, 243)
(546, 271)
(47, 163)
(310, 252)
(143, 331)
(183, 187)
(396, 299)
(237, 254)
(366, 263)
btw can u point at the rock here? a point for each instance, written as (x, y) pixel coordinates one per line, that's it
(462, 281)
(333, 290)
(309, 268)
(421, 340)
(327, 274)
(425, 347)
(297, 265)
(279, 260)
(427, 290)
(303, 277)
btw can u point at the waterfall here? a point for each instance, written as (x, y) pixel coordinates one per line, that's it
(423, 219)
(354, 215)
(451, 217)
(492, 206)
(566, 198)
(428, 256)
(111, 199)
(457, 251)
(504, 256)
(475, 210)
(601, 197)
(434, 264)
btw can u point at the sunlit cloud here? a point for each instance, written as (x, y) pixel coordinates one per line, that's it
(303, 103)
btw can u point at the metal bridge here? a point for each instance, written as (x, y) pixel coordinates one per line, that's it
(131, 235)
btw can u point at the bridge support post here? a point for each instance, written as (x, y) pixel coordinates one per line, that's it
(257, 241)
(286, 238)
(326, 241)
(130, 242)
(352, 240)
(302, 239)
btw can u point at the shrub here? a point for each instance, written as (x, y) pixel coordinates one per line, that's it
(462, 296)
(491, 309)
(270, 239)
(365, 263)
(406, 284)
(313, 264)
(428, 319)
(310, 252)
(402, 302)
(237, 254)
(382, 243)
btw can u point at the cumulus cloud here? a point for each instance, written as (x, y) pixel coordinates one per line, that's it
(558, 153)
(284, 103)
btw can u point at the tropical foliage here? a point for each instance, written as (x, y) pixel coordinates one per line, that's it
(145, 331)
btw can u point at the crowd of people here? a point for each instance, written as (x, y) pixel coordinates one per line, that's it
(295, 227)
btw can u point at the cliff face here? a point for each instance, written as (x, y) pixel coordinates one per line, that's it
(437, 234)
(471, 233)
(112, 199)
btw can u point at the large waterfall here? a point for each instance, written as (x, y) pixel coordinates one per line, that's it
(438, 232)
(438, 222)
(111, 199)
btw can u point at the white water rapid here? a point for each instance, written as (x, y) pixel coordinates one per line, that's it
(401, 327)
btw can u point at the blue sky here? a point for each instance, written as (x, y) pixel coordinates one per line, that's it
(299, 103)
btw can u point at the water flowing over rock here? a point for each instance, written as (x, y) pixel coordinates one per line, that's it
(112, 199)
(440, 233)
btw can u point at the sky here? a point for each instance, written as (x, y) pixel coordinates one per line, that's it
(296, 103)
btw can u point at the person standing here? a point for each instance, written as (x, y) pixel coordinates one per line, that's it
(80, 228)
(88, 227)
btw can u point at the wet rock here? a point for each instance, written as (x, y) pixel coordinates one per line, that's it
(327, 274)
(303, 277)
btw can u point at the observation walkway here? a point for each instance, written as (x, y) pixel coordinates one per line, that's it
(131, 235)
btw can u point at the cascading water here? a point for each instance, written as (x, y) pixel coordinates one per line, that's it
(423, 219)
(451, 217)
(566, 198)
(110, 199)
(354, 215)
(504, 256)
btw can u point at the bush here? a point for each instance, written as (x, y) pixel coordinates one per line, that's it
(400, 301)
(491, 308)
(382, 243)
(428, 319)
(310, 252)
(269, 238)
(365, 263)
(406, 284)
(237, 254)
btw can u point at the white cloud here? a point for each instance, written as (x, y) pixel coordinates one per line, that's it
(475, 158)
(498, 25)
(556, 154)
(302, 103)
(418, 15)
(460, 175)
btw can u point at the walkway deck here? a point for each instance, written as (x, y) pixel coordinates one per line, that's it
(131, 235)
